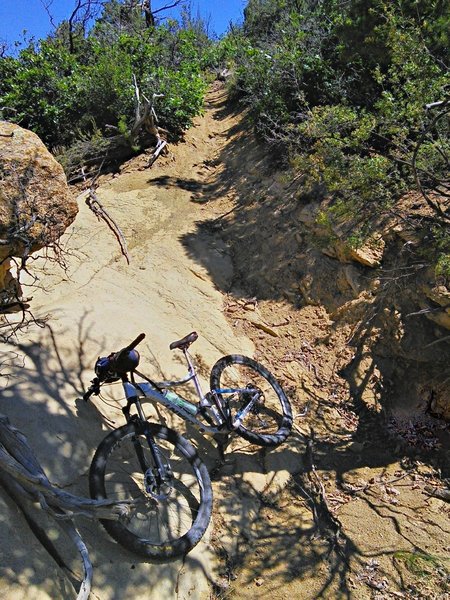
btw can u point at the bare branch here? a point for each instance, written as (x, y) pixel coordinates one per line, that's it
(94, 204)
(86, 584)
(25, 481)
(169, 6)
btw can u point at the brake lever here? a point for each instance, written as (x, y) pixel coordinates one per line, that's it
(94, 389)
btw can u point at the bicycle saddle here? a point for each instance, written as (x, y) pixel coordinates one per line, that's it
(185, 342)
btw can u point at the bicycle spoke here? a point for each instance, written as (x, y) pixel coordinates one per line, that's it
(258, 407)
(159, 520)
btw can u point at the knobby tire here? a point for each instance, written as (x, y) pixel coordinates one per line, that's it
(115, 474)
(275, 413)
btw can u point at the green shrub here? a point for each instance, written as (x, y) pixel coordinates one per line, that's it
(64, 97)
(40, 91)
(340, 89)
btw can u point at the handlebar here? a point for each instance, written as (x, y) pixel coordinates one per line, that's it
(134, 343)
(93, 389)
(127, 359)
(114, 366)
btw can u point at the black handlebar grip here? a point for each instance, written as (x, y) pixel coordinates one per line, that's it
(88, 394)
(93, 389)
(135, 342)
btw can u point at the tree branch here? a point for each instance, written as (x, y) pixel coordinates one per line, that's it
(94, 204)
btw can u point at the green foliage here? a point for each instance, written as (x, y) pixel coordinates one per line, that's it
(223, 53)
(338, 87)
(40, 91)
(261, 17)
(65, 96)
(441, 250)
(341, 89)
(443, 268)
(334, 136)
(419, 563)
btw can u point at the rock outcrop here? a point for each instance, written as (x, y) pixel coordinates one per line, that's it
(440, 297)
(36, 205)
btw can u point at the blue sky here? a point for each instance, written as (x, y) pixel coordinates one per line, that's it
(29, 15)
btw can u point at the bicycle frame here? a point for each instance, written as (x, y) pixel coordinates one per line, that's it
(149, 392)
(209, 406)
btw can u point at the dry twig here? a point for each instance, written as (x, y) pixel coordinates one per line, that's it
(94, 204)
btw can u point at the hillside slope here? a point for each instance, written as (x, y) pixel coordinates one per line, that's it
(218, 244)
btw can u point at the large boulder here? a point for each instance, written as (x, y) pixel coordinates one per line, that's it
(36, 205)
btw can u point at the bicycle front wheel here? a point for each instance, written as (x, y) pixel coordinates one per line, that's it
(165, 520)
(269, 421)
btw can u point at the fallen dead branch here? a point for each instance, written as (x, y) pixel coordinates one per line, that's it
(27, 484)
(94, 204)
(444, 339)
(263, 326)
(159, 148)
(259, 324)
(351, 489)
(440, 493)
(80, 161)
(145, 116)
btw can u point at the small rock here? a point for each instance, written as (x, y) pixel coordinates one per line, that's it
(357, 447)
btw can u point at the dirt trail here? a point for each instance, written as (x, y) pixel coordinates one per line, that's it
(348, 519)
(100, 304)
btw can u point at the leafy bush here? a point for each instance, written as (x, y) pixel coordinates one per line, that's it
(340, 88)
(39, 91)
(65, 96)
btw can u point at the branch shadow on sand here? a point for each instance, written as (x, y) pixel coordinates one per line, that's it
(341, 526)
(270, 534)
(338, 541)
(41, 386)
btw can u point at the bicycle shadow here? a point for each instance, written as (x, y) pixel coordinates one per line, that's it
(263, 519)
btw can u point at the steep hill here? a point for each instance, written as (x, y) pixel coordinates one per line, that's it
(219, 243)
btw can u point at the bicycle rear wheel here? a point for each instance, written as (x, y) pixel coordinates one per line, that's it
(164, 521)
(269, 422)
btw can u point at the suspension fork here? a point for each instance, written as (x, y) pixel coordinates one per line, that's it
(139, 421)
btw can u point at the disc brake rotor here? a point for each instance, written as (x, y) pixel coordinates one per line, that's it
(157, 490)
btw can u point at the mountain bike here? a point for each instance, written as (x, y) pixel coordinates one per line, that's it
(153, 469)
(157, 469)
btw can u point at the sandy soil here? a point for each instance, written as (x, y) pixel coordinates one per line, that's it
(96, 307)
(343, 516)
